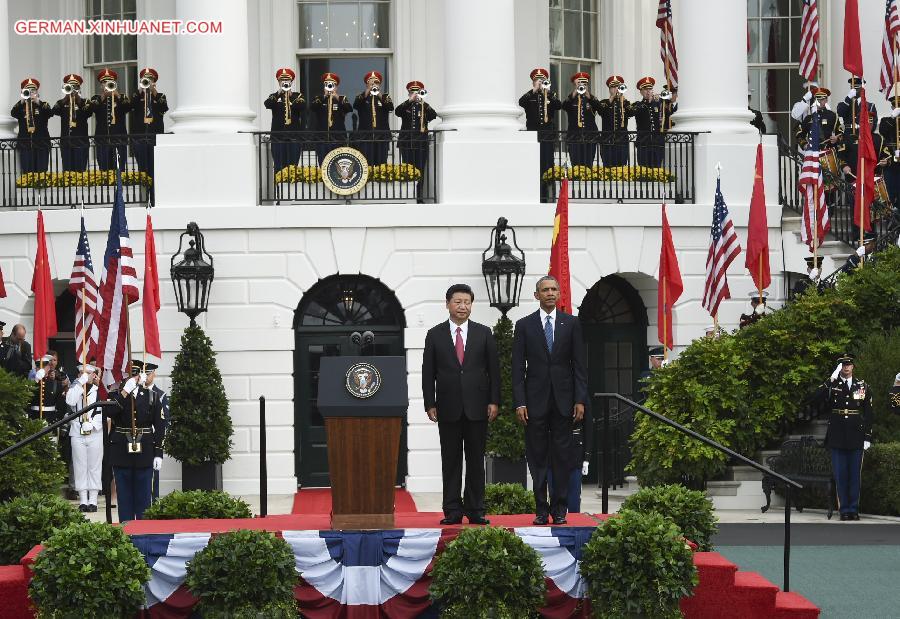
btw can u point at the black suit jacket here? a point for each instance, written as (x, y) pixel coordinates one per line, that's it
(537, 372)
(460, 390)
(17, 361)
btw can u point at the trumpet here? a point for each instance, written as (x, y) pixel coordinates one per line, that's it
(329, 86)
(110, 86)
(26, 93)
(622, 89)
(69, 89)
(420, 95)
(145, 83)
(375, 91)
(285, 86)
(581, 89)
(545, 84)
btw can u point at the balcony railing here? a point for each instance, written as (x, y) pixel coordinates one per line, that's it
(637, 166)
(403, 166)
(67, 172)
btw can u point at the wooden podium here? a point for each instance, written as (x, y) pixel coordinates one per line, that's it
(363, 401)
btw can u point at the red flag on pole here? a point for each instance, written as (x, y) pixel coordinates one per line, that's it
(864, 193)
(151, 293)
(559, 249)
(758, 229)
(2, 287)
(44, 299)
(670, 286)
(853, 61)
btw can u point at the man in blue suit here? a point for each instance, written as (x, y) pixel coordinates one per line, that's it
(550, 391)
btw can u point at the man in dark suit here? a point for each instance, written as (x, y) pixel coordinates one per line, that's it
(550, 391)
(17, 353)
(461, 390)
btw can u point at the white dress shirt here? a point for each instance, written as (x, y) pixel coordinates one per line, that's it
(465, 332)
(552, 316)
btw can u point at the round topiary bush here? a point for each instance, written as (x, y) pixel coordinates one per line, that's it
(244, 574)
(488, 572)
(197, 504)
(27, 521)
(89, 569)
(638, 564)
(691, 510)
(508, 499)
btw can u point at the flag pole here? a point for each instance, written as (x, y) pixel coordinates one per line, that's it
(759, 281)
(84, 397)
(862, 205)
(665, 323)
(666, 55)
(894, 88)
(815, 225)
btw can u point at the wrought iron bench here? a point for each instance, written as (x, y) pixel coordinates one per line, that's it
(805, 460)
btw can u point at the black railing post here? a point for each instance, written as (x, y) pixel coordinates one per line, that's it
(787, 538)
(105, 469)
(263, 473)
(604, 472)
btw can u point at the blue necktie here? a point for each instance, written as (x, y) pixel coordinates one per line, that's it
(548, 334)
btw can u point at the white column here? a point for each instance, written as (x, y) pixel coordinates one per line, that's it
(711, 36)
(213, 70)
(7, 122)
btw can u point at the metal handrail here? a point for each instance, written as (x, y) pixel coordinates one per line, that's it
(789, 483)
(52, 426)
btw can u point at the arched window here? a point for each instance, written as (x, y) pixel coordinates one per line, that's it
(612, 300)
(349, 301)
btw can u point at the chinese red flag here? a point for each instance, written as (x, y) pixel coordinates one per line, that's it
(44, 299)
(2, 286)
(758, 229)
(865, 169)
(559, 249)
(670, 286)
(852, 50)
(151, 293)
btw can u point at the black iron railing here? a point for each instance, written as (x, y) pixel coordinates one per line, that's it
(71, 171)
(403, 166)
(636, 166)
(789, 484)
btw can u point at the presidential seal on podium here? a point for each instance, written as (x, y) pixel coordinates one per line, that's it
(345, 171)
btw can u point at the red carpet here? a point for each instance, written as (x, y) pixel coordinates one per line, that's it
(318, 501)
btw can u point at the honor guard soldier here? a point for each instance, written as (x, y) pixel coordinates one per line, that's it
(288, 117)
(540, 105)
(848, 111)
(813, 271)
(33, 115)
(614, 113)
(52, 385)
(815, 105)
(849, 433)
(863, 252)
(581, 134)
(847, 159)
(73, 112)
(655, 357)
(653, 118)
(889, 130)
(374, 108)
(86, 436)
(163, 398)
(135, 441)
(758, 309)
(148, 108)
(415, 114)
(110, 110)
(329, 110)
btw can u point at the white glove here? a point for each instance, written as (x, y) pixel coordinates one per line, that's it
(130, 385)
(83, 379)
(852, 93)
(142, 379)
(866, 445)
(584, 467)
(807, 96)
(837, 371)
(895, 112)
(861, 251)
(39, 375)
(157, 463)
(814, 274)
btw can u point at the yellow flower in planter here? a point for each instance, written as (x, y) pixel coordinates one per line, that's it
(298, 174)
(390, 172)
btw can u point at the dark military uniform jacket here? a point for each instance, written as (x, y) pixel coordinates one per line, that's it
(848, 111)
(847, 153)
(888, 130)
(894, 399)
(414, 116)
(16, 359)
(40, 116)
(149, 424)
(157, 106)
(849, 413)
(615, 114)
(374, 111)
(653, 116)
(54, 397)
(535, 117)
(72, 110)
(580, 110)
(110, 120)
(340, 107)
(296, 117)
(829, 125)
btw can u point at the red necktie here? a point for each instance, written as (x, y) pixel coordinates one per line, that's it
(460, 349)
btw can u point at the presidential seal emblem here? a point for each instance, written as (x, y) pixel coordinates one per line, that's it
(345, 171)
(363, 380)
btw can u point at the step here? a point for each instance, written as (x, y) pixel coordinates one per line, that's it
(722, 488)
(748, 502)
(742, 472)
(754, 595)
(790, 605)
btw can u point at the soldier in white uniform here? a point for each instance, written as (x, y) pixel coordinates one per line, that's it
(86, 433)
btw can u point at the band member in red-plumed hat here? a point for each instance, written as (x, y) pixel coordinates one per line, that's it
(73, 114)
(580, 107)
(374, 107)
(414, 140)
(652, 116)
(614, 113)
(288, 117)
(149, 106)
(329, 111)
(110, 110)
(32, 114)
(541, 105)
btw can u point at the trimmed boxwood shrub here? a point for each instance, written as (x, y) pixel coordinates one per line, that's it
(506, 436)
(508, 499)
(488, 572)
(244, 574)
(197, 504)
(27, 521)
(880, 492)
(89, 569)
(691, 510)
(638, 565)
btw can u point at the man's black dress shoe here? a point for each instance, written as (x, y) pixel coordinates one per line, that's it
(82, 508)
(92, 508)
(854, 516)
(540, 520)
(478, 520)
(452, 520)
(560, 520)
(845, 517)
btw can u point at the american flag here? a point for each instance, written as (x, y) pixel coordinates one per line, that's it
(667, 42)
(809, 40)
(891, 28)
(83, 287)
(814, 209)
(723, 249)
(118, 289)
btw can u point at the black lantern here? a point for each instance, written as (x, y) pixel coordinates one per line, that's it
(503, 271)
(193, 276)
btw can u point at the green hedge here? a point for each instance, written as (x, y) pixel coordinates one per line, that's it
(506, 436)
(880, 491)
(197, 504)
(508, 499)
(743, 389)
(691, 510)
(27, 521)
(878, 361)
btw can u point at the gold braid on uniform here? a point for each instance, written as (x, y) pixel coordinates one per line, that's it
(895, 400)
(374, 120)
(29, 115)
(580, 113)
(546, 103)
(422, 117)
(287, 108)
(72, 122)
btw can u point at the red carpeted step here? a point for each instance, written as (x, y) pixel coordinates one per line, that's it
(792, 605)
(712, 596)
(754, 596)
(14, 592)
(716, 572)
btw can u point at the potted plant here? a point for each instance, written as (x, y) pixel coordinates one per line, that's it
(508, 499)
(244, 574)
(89, 570)
(505, 448)
(638, 565)
(691, 510)
(199, 434)
(488, 572)
(193, 504)
(27, 521)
